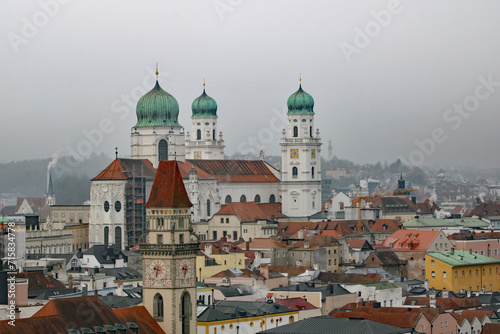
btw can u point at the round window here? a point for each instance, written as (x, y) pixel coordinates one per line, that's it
(118, 206)
(106, 206)
(206, 123)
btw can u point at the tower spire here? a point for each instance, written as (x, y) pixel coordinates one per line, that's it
(300, 79)
(203, 84)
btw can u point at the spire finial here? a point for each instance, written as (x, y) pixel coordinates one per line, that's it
(116, 152)
(157, 72)
(203, 84)
(300, 79)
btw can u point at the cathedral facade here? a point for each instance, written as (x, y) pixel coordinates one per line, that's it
(211, 180)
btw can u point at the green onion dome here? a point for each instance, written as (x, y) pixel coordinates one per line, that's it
(157, 108)
(300, 102)
(204, 106)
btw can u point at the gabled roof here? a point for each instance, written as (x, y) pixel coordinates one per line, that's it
(325, 324)
(444, 303)
(426, 207)
(240, 273)
(123, 169)
(359, 244)
(491, 328)
(140, 316)
(36, 203)
(386, 258)
(240, 171)
(411, 240)
(480, 314)
(296, 304)
(225, 309)
(394, 204)
(483, 210)
(251, 211)
(457, 210)
(168, 189)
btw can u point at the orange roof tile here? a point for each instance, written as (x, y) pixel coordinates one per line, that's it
(237, 170)
(251, 211)
(119, 169)
(491, 328)
(141, 317)
(168, 189)
(417, 240)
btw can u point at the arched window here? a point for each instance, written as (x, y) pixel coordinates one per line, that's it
(213, 134)
(198, 134)
(272, 199)
(295, 131)
(257, 199)
(162, 150)
(228, 199)
(243, 198)
(208, 208)
(158, 307)
(186, 312)
(106, 235)
(295, 172)
(118, 236)
(118, 206)
(311, 131)
(312, 172)
(106, 206)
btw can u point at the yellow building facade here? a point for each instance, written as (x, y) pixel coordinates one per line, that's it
(462, 270)
(215, 263)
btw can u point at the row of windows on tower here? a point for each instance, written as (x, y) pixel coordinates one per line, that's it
(118, 206)
(243, 199)
(118, 235)
(198, 134)
(296, 131)
(295, 172)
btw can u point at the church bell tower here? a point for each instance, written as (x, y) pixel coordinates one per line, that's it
(169, 254)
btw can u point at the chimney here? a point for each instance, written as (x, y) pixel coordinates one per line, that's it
(445, 293)
(223, 239)
(84, 290)
(306, 243)
(301, 234)
(470, 251)
(330, 287)
(119, 289)
(18, 312)
(70, 282)
(247, 245)
(208, 249)
(452, 251)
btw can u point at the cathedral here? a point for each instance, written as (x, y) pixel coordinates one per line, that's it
(120, 192)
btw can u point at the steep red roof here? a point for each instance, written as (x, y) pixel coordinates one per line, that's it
(140, 316)
(457, 210)
(251, 211)
(491, 329)
(445, 303)
(185, 168)
(296, 304)
(168, 189)
(122, 169)
(485, 209)
(236, 170)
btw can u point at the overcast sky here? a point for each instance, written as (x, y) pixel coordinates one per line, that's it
(381, 82)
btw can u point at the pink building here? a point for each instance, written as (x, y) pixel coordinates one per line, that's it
(484, 243)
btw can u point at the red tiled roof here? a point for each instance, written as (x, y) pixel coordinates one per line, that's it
(59, 315)
(394, 204)
(457, 210)
(185, 168)
(140, 316)
(417, 240)
(251, 211)
(491, 329)
(38, 281)
(356, 243)
(348, 278)
(445, 303)
(480, 314)
(237, 170)
(119, 169)
(245, 273)
(168, 189)
(296, 304)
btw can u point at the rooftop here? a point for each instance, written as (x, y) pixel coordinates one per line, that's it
(462, 258)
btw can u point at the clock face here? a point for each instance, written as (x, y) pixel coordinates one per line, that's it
(294, 154)
(185, 272)
(313, 153)
(157, 272)
(197, 155)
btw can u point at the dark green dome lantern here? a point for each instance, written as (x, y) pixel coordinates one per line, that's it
(300, 102)
(204, 105)
(157, 108)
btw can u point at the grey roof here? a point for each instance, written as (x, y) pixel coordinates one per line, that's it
(235, 290)
(47, 293)
(122, 274)
(68, 257)
(325, 324)
(102, 251)
(225, 309)
(120, 301)
(329, 290)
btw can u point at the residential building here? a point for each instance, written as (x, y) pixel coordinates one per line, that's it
(386, 293)
(484, 243)
(462, 271)
(215, 257)
(388, 261)
(412, 245)
(238, 317)
(448, 226)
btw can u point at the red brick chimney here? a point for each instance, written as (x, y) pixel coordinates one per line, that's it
(70, 281)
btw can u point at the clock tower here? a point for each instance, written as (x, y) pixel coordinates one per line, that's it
(300, 158)
(169, 254)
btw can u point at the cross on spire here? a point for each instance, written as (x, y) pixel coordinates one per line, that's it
(157, 72)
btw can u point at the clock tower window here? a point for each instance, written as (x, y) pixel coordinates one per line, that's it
(158, 307)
